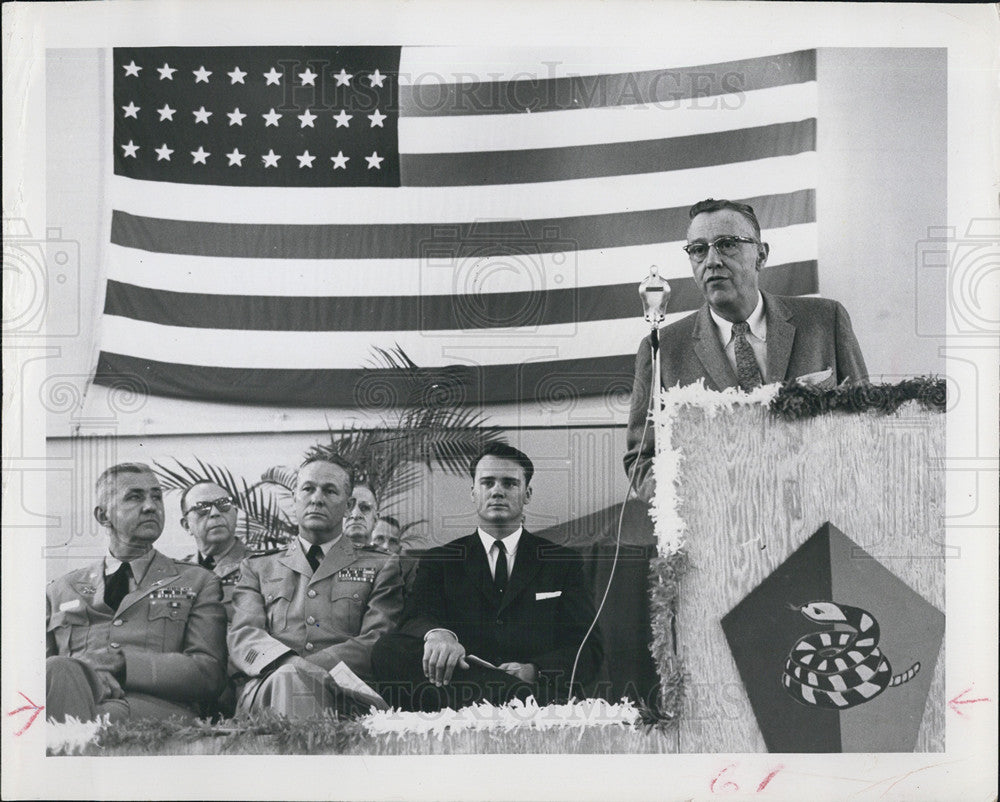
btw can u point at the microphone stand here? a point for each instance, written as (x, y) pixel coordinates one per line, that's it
(655, 294)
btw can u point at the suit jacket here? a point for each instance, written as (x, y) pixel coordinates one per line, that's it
(228, 571)
(281, 606)
(171, 629)
(804, 336)
(541, 618)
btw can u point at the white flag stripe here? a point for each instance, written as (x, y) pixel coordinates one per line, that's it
(370, 205)
(317, 350)
(426, 66)
(557, 129)
(401, 277)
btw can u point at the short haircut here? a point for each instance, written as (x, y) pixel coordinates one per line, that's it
(713, 205)
(504, 451)
(329, 459)
(107, 479)
(362, 482)
(390, 520)
(199, 483)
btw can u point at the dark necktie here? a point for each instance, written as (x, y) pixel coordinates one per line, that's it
(500, 574)
(315, 556)
(206, 562)
(116, 586)
(747, 370)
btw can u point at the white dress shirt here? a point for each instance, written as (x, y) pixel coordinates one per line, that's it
(510, 543)
(757, 336)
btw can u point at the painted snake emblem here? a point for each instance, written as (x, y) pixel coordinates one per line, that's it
(838, 669)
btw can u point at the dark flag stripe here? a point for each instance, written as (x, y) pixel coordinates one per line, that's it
(416, 313)
(437, 240)
(596, 91)
(371, 390)
(619, 158)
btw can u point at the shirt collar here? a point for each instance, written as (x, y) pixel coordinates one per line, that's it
(139, 565)
(324, 547)
(757, 322)
(509, 543)
(218, 557)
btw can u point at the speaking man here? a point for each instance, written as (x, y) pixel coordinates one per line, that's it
(209, 513)
(136, 634)
(740, 337)
(322, 601)
(494, 615)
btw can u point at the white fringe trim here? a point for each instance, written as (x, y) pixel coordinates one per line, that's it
(72, 736)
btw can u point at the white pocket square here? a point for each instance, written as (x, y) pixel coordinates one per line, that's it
(552, 594)
(817, 378)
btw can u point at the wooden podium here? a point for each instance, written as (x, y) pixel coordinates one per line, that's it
(780, 513)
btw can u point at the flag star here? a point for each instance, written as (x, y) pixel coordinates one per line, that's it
(200, 155)
(376, 119)
(130, 149)
(270, 158)
(377, 78)
(131, 110)
(163, 152)
(343, 77)
(340, 160)
(201, 115)
(307, 119)
(271, 118)
(166, 72)
(343, 119)
(273, 77)
(305, 160)
(235, 117)
(132, 69)
(374, 160)
(236, 158)
(236, 76)
(201, 75)
(308, 77)
(166, 113)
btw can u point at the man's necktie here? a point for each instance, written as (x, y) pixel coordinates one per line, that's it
(206, 562)
(315, 556)
(500, 574)
(116, 586)
(747, 370)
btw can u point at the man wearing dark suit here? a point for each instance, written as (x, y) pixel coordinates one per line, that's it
(502, 595)
(135, 635)
(741, 337)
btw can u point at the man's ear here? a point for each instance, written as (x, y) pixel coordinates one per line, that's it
(762, 253)
(184, 522)
(527, 494)
(101, 516)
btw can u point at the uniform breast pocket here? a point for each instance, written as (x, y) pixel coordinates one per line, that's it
(347, 604)
(69, 628)
(167, 620)
(276, 603)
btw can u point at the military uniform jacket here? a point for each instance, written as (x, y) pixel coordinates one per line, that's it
(335, 614)
(171, 629)
(228, 571)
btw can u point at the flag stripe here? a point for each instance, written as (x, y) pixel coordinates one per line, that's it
(589, 91)
(612, 159)
(348, 278)
(404, 241)
(374, 206)
(541, 307)
(607, 124)
(355, 387)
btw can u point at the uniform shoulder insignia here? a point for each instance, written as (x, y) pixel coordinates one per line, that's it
(255, 554)
(374, 549)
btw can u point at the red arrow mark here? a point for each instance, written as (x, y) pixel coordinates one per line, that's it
(958, 700)
(30, 706)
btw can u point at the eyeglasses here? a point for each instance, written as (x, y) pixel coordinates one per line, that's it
(725, 246)
(204, 508)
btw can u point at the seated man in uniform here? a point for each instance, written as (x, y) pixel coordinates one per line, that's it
(300, 612)
(209, 513)
(387, 536)
(495, 615)
(135, 635)
(362, 510)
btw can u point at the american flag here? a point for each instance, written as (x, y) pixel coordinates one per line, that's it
(279, 212)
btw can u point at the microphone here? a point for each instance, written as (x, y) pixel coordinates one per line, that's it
(655, 294)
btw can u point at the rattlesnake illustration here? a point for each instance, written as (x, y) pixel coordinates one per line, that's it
(839, 669)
